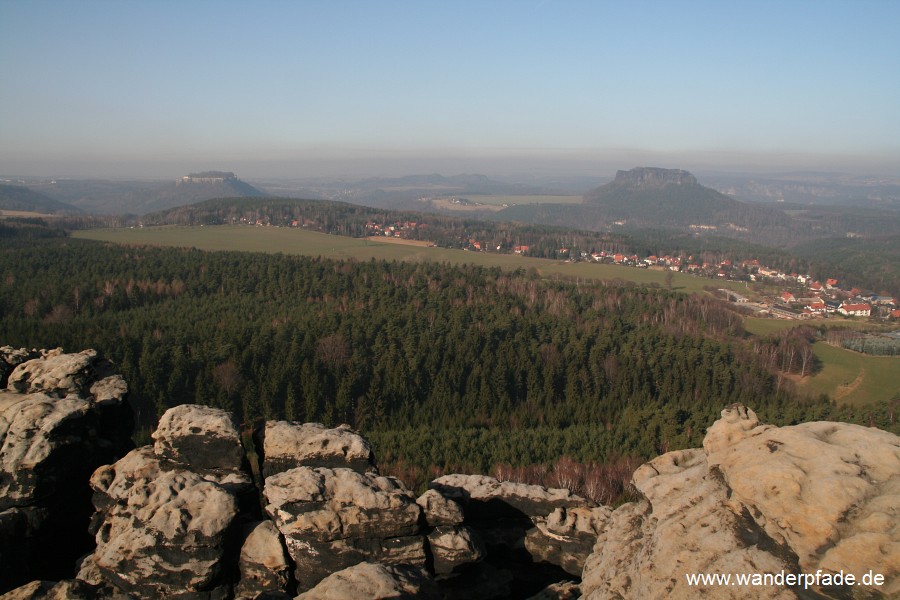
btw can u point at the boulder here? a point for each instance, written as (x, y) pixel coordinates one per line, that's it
(563, 590)
(263, 562)
(484, 497)
(10, 358)
(440, 511)
(756, 499)
(159, 533)
(452, 547)
(203, 440)
(829, 491)
(374, 581)
(71, 589)
(566, 537)
(53, 433)
(58, 374)
(334, 518)
(287, 445)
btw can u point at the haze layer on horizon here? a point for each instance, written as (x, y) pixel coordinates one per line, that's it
(272, 89)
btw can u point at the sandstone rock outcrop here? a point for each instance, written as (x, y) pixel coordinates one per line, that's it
(376, 582)
(160, 533)
(288, 445)
(334, 518)
(203, 440)
(452, 547)
(166, 514)
(829, 491)
(756, 499)
(264, 564)
(439, 510)
(543, 525)
(173, 519)
(61, 416)
(10, 358)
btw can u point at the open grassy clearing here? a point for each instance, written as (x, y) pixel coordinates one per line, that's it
(311, 243)
(853, 378)
(501, 199)
(24, 213)
(764, 326)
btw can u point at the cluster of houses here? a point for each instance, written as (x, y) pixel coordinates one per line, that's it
(815, 300)
(397, 229)
(806, 298)
(820, 302)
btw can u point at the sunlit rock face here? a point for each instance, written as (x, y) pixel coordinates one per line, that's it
(756, 499)
(185, 518)
(61, 416)
(334, 518)
(287, 445)
(166, 521)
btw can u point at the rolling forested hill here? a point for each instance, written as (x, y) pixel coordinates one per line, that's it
(108, 197)
(21, 198)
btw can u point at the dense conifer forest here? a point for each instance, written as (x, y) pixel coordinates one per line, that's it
(444, 367)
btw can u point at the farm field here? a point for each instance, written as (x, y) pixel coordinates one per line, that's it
(853, 378)
(311, 243)
(765, 326)
(496, 202)
(501, 199)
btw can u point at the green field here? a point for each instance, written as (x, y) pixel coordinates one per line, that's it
(765, 326)
(846, 376)
(853, 378)
(310, 243)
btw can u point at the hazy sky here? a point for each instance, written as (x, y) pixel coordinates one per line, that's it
(302, 88)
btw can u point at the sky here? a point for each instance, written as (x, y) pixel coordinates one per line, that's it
(320, 88)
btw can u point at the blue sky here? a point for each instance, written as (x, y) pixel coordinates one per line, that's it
(307, 88)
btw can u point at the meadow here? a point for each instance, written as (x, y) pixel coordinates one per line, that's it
(846, 376)
(496, 202)
(853, 378)
(503, 199)
(310, 243)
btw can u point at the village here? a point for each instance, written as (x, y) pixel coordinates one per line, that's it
(801, 297)
(782, 295)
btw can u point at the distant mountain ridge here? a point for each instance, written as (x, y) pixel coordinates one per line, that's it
(24, 199)
(143, 197)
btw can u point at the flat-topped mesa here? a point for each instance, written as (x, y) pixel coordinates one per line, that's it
(653, 177)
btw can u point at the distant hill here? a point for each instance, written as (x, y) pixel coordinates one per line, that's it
(405, 192)
(811, 188)
(20, 198)
(653, 198)
(142, 197)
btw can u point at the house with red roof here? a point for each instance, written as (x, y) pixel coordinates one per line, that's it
(855, 310)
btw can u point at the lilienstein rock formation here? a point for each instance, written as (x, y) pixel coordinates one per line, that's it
(299, 510)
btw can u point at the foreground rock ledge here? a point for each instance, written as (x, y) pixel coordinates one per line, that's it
(170, 520)
(756, 499)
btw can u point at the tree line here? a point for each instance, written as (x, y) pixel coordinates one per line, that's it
(442, 366)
